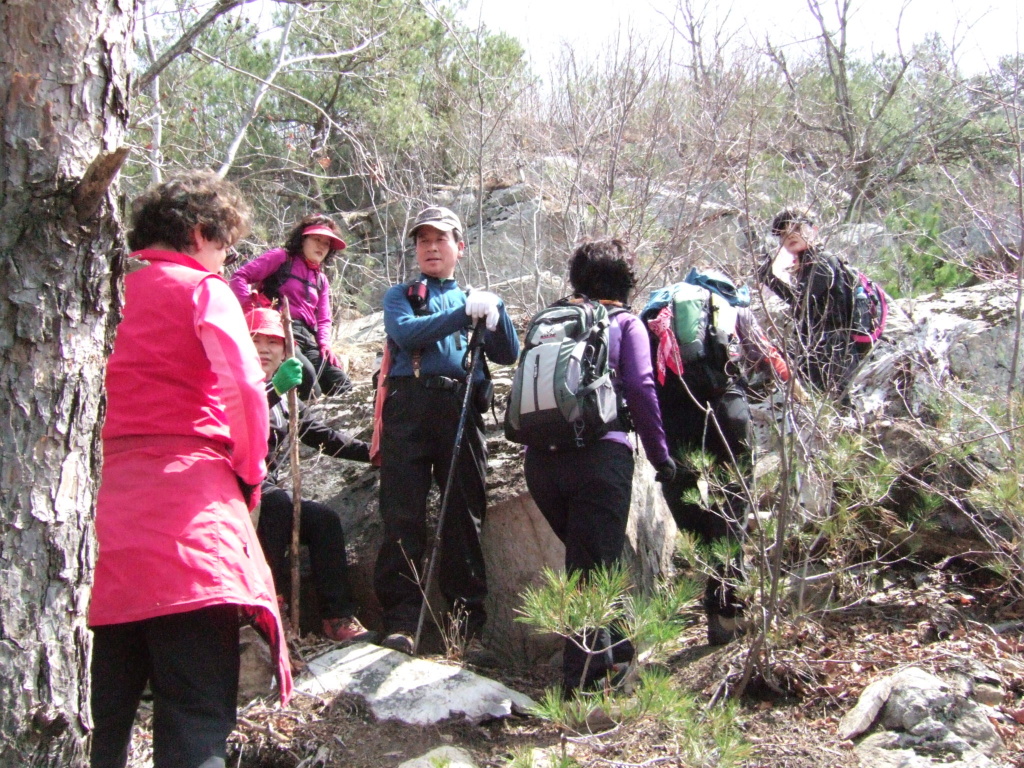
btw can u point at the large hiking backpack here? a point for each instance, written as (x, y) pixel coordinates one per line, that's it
(704, 314)
(562, 394)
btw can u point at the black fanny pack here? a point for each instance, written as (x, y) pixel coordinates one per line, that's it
(483, 395)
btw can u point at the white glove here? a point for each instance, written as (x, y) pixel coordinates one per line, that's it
(482, 305)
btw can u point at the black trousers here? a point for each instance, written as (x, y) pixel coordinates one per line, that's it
(320, 530)
(190, 661)
(417, 442)
(331, 379)
(689, 428)
(585, 494)
(828, 360)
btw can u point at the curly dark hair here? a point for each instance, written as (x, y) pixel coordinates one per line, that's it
(293, 244)
(785, 219)
(602, 269)
(168, 213)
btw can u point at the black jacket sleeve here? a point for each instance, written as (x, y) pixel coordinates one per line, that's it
(332, 442)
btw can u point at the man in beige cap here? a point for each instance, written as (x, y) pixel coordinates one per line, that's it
(428, 322)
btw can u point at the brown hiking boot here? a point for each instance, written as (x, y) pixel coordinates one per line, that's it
(346, 629)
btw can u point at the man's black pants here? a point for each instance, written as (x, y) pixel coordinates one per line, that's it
(190, 661)
(417, 442)
(320, 530)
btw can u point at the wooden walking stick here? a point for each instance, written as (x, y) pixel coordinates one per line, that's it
(293, 433)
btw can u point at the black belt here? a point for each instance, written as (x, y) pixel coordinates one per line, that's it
(426, 382)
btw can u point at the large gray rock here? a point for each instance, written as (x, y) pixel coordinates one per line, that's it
(416, 691)
(924, 722)
(442, 757)
(962, 338)
(518, 544)
(923, 396)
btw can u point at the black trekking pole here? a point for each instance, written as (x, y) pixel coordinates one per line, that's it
(476, 343)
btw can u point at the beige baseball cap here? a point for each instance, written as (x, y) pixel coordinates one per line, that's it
(438, 217)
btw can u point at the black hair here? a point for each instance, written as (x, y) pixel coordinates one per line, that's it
(786, 218)
(168, 213)
(602, 269)
(293, 244)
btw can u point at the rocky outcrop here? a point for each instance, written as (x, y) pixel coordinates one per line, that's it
(925, 397)
(918, 720)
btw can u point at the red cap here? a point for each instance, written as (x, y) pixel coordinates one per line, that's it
(266, 321)
(322, 229)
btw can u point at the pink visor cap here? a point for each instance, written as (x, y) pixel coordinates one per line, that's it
(266, 321)
(319, 229)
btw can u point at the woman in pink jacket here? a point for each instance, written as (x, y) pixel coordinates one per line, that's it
(296, 271)
(184, 443)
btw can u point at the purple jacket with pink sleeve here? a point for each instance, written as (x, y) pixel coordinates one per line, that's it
(629, 355)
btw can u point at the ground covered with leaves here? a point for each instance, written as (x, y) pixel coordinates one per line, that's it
(808, 674)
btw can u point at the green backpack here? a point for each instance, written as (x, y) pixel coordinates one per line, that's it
(704, 315)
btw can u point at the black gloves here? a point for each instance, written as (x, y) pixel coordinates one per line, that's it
(666, 472)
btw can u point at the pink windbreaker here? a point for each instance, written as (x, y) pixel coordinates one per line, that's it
(186, 418)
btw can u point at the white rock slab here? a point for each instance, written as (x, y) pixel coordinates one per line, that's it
(860, 718)
(415, 691)
(448, 757)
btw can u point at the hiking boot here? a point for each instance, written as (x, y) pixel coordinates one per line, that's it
(722, 630)
(479, 655)
(623, 676)
(346, 629)
(600, 720)
(399, 641)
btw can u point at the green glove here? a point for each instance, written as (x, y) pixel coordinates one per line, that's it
(288, 376)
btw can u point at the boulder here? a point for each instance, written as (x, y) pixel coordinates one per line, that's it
(256, 667)
(448, 757)
(923, 721)
(414, 690)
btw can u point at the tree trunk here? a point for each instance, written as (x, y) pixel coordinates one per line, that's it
(63, 110)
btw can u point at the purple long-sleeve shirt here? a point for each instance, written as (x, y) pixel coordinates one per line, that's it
(308, 292)
(629, 355)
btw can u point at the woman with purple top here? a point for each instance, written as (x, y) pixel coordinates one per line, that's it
(585, 492)
(296, 271)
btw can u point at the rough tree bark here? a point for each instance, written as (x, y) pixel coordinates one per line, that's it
(63, 111)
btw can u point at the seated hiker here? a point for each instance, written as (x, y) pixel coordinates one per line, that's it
(584, 487)
(819, 289)
(320, 526)
(296, 271)
(704, 407)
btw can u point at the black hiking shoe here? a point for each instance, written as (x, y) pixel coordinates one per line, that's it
(479, 655)
(722, 630)
(399, 641)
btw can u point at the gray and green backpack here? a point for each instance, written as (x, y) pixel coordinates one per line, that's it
(562, 393)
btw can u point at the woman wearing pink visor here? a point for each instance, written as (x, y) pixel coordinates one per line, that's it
(296, 271)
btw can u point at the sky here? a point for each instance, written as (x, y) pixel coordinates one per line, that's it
(983, 30)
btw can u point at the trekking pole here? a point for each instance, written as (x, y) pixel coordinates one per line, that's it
(476, 342)
(293, 433)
